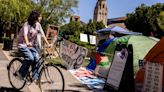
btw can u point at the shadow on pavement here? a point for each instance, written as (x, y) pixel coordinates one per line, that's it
(60, 65)
(5, 89)
(86, 87)
(79, 85)
(61, 91)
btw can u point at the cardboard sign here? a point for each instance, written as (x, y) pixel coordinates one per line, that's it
(117, 68)
(153, 77)
(72, 54)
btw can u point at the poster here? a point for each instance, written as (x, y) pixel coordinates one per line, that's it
(83, 37)
(72, 54)
(92, 39)
(153, 77)
(117, 68)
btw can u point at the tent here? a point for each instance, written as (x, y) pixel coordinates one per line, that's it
(156, 55)
(117, 29)
(141, 46)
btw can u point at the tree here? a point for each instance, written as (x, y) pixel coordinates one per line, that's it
(99, 25)
(57, 10)
(160, 20)
(12, 13)
(91, 27)
(144, 19)
(72, 30)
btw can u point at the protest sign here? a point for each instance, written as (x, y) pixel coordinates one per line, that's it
(153, 77)
(117, 68)
(120, 77)
(72, 54)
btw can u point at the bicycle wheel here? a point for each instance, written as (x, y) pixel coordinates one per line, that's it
(14, 80)
(51, 79)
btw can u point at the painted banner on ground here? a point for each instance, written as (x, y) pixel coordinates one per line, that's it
(153, 77)
(72, 54)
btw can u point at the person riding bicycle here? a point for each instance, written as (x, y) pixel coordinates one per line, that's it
(28, 42)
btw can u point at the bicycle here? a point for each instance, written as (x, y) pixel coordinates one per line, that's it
(46, 79)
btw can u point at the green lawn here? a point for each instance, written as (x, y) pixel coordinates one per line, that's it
(59, 61)
(1, 46)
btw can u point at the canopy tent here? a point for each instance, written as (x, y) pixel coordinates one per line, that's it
(141, 46)
(117, 29)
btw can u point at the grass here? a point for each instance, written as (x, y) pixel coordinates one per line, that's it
(85, 62)
(59, 61)
(1, 46)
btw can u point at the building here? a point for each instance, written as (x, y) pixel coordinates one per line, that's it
(101, 12)
(75, 18)
(117, 22)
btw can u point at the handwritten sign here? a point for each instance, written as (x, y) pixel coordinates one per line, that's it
(117, 68)
(153, 77)
(72, 54)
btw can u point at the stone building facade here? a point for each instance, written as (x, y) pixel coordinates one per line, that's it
(101, 12)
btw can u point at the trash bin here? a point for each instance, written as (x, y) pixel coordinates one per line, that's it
(7, 44)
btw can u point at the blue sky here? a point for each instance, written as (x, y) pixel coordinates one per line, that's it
(116, 8)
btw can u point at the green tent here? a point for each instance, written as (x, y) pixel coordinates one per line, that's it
(141, 46)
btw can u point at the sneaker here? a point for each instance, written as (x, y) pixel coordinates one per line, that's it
(36, 82)
(28, 80)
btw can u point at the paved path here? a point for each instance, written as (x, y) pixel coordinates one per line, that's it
(71, 83)
(4, 83)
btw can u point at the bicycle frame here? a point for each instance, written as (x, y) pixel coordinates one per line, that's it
(41, 63)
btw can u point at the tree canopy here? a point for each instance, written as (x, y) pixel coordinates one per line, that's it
(55, 11)
(72, 30)
(145, 19)
(13, 13)
(160, 20)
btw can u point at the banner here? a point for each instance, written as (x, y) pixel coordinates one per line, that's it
(72, 54)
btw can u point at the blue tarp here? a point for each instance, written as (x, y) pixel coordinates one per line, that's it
(105, 45)
(118, 30)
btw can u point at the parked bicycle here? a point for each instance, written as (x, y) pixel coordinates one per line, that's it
(50, 76)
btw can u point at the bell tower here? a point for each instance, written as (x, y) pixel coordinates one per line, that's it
(101, 12)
